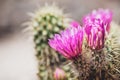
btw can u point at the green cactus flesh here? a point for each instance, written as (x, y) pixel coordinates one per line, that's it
(46, 22)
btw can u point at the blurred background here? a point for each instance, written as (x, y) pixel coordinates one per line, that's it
(17, 56)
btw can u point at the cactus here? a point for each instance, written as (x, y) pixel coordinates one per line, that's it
(112, 48)
(109, 57)
(45, 22)
(93, 48)
(102, 64)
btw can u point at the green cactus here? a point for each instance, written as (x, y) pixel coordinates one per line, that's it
(113, 50)
(45, 22)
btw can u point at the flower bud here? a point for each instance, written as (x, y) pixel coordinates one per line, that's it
(59, 74)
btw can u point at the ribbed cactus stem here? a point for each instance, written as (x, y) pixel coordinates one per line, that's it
(95, 68)
(98, 70)
(98, 59)
(45, 23)
(82, 67)
(97, 65)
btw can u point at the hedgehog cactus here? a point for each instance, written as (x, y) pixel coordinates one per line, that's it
(113, 49)
(45, 22)
(93, 48)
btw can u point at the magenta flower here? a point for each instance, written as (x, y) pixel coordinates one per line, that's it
(75, 24)
(97, 24)
(101, 16)
(59, 74)
(68, 42)
(95, 36)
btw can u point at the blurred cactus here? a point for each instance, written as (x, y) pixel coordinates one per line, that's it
(113, 50)
(45, 22)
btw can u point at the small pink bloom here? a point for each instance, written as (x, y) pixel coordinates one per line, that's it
(68, 42)
(59, 74)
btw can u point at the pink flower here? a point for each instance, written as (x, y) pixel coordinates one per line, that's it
(100, 16)
(96, 25)
(95, 35)
(59, 74)
(68, 42)
(75, 24)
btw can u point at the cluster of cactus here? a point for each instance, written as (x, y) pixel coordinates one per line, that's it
(45, 22)
(93, 48)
